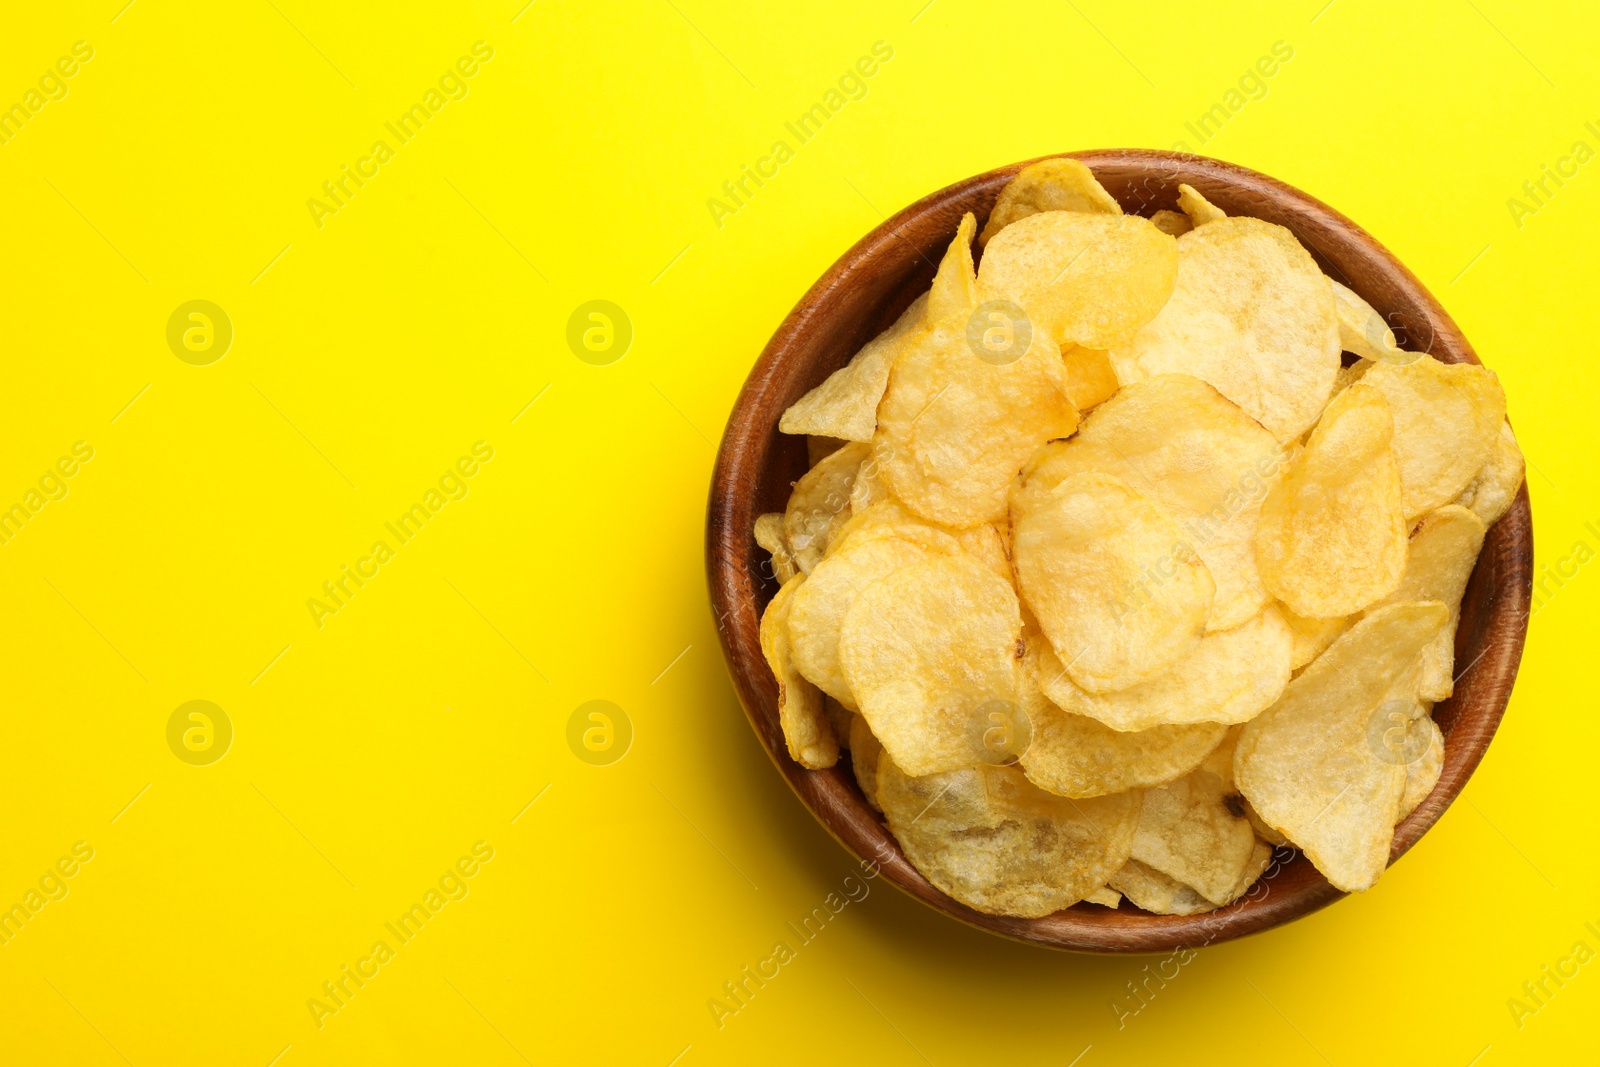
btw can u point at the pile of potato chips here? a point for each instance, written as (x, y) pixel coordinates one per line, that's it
(1111, 574)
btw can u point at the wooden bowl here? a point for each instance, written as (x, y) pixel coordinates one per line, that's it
(861, 295)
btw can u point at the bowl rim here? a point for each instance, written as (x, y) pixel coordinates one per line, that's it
(1148, 178)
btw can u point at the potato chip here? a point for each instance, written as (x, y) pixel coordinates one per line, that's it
(1202, 460)
(769, 535)
(839, 718)
(1189, 831)
(865, 751)
(991, 839)
(1076, 756)
(1447, 419)
(1157, 893)
(1309, 764)
(1093, 280)
(868, 488)
(1090, 379)
(1230, 676)
(1422, 773)
(1105, 896)
(1198, 208)
(805, 727)
(845, 405)
(990, 545)
(954, 428)
(1175, 223)
(1114, 587)
(820, 504)
(1312, 636)
(924, 650)
(1332, 534)
(887, 518)
(1252, 315)
(955, 286)
(1269, 834)
(819, 448)
(1439, 560)
(1493, 488)
(1363, 331)
(1049, 185)
(821, 604)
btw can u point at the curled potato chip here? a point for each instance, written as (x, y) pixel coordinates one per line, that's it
(1201, 459)
(1439, 560)
(820, 504)
(1332, 535)
(1198, 208)
(1312, 636)
(1422, 773)
(1309, 764)
(1495, 486)
(821, 604)
(1190, 831)
(805, 726)
(1363, 331)
(1252, 315)
(1230, 676)
(1157, 893)
(1093, 280)
(954, 428)
(955, 286)
(1447, 419)
(1105, 896)
(1090, 379)
(925, 650)
(1059, 184)
(1076, 756)
(1175, 223)
(769, 535)
(865, 751)
(845, 405)
(1115, 588)
(991, 839)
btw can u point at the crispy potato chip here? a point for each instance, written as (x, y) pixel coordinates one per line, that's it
(991, 839)
(821, 604)
(954, 428)
(845, 405)
(1090, 379)
(1447, 419)
(1309, 764)
(887, 518)
(820, 448)
(865, 751)
(1492, 490)
(1048, 185)
(1198, 208)
(1076, 756)
(868, 488)
(1230, 676)
(1439, 560)
(1085, 558)
(1175, 223)
(1252, 315)
(1189, 831)
(924, 650)
(1332, 534)
(1422, 773)
(1363, 331)
(1157, 893)
(1267, 833)
(1312, 636)
(1202, 460)
(820, 504)
(769, 535)
(1093, 280)
(805, 727)
(1105, 896)
(955, 286)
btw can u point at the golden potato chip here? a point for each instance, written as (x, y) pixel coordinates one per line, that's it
(1090, 379)
(820, 448)
(805, 727)
(1252, 315)
(954, 428)
(1267, 833)
(1332, 534)
(1108, 576)
(991, 839)
(1157, 893)
(845, 405)
(1363, 331)
(887, 518)
(1194, 830)
(1447, 419)
(1493, 488)
(1105, 896)
(1312, 636)
(1310, 764)
(1422, 773)
(821, 604)
(769, 535)
(1198, 208)
(1048, 185)
(868, 488)
(1439, 560)
(925, 650)
(820, 504)
(1230, 676)
(1202, 460)
(865, 751)
(1092, 280)
(1175, 223)
(955, 286)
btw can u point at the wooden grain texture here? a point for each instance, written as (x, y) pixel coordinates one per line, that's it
(862, 294)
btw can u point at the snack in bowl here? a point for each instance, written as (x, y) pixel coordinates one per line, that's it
(1117, 574)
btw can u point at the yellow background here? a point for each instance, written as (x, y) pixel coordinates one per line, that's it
(372, 752)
